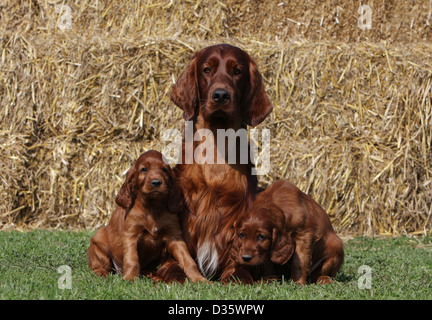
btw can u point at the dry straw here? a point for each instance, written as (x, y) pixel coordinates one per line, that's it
(84, 89)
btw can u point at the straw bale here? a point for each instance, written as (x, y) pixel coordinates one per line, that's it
(357, 129)
(352, 119)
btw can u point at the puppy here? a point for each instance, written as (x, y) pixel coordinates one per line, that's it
(144, 224)
(261, 247)
(318, 251)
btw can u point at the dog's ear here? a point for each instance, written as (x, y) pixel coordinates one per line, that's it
(126, 196)
(184, 93)
(175, 201)
(282, 246)
(234, 252)
(258, 106)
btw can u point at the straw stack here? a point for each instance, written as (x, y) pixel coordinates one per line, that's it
(84, 89)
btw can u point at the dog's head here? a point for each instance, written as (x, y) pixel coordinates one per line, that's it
(151, 178)
(260, 235)
(222, 82)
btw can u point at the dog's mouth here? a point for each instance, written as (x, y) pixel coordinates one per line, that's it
(248, 260)
(155, 193)
(215, 111)
(219, 114)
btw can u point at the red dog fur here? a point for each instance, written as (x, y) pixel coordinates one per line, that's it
(221, 88)
(283, 207)
(143, 225)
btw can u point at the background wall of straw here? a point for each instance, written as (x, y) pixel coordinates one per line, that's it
(352, 120)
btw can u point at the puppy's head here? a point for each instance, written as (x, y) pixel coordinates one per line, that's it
(260, 236)
(151, 178)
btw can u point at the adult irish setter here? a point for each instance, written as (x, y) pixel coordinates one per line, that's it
(144, 224)
(220, 89)
(286, 222)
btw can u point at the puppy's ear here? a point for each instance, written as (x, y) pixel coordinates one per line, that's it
(282, 247)
(184, 93)
(176, 202)
(258, 106)
(234, 252)
(126, 196)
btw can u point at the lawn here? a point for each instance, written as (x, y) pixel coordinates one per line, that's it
(52, 265)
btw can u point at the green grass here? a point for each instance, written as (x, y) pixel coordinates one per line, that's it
(401, 269)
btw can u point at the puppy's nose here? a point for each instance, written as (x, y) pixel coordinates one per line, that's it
(156, 183)
(246, 257)
(221, 96)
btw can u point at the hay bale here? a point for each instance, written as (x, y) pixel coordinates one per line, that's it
(352, 114)
(355, 126)
(281, 21)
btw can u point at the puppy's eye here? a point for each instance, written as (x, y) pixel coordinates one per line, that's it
(165, 170)
(237, 71)
(144, 169)
(261, 237)
(241, 235)
(207, 70)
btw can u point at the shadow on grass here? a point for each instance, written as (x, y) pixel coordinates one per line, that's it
(344, 278)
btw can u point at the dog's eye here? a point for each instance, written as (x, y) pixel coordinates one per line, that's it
(144, 169)
(207, 70)
(241, 235)
(261, 237)
(236, 71)
(165, 170)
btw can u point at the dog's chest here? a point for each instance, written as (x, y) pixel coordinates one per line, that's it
(152, 235)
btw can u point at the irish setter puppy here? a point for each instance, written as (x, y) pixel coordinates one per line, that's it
(144, 224)
(221, 89)
(261, 244)
(318, 253)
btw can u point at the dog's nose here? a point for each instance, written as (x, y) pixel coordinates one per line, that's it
(156, 183)
(246, 257)
(221, 96)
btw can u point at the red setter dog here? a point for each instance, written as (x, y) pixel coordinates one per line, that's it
(285, 210)
(221, 88)
(261, 248)
(144, 224)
